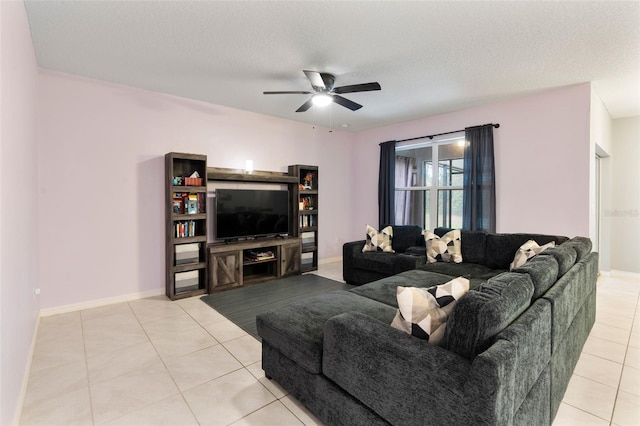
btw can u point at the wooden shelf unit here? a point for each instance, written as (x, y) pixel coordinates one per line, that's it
(186, 234)
(230, 268)
(304, 199)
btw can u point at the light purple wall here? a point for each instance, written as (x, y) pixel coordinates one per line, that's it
(101, 165)
(624, 213)
(19, 204)
(542, 152)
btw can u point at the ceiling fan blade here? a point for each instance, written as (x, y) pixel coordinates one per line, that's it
(305, 106)
(346, 103)
(365, 87)
(315, 79)
(286, 93)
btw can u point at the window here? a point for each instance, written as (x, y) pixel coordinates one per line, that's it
(426, 196)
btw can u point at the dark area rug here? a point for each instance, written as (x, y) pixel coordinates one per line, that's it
(241, 305)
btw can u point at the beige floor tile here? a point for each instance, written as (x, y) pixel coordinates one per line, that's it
(599, 370)
(60, 321)
(199, 367)
(571, 416)
(256, 370)
(192, 303)
(161, 327)
(246, 349)
(108, 365)
(228, 398)
(300, 411)
(612, 334)
(155, 308)
(590, 396)
(633, 358)
(630, 381)
(332, 271)
(205, 314)
(224, 330)
(614, 320)
(124, 394)
(101, 311)
(57, 349)
(634, 340)
(183, 342)
(172, 411)
(627, 410)
(70, 408)
(111, 333)
(53, 381)
(605, 349)
(273, 414)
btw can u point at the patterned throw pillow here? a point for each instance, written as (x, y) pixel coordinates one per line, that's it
(379, 240)
(423, 312)
(446, 249)
(527, 251)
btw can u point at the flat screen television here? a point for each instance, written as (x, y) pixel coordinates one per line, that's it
(245, 213)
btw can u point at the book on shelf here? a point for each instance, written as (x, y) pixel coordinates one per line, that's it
(257, 256)
(189, 203)
(192, 204)
(185, 229)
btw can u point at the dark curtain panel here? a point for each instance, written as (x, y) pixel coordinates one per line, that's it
(387, 183)
(479, 188)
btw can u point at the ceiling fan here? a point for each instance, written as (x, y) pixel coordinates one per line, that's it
(324, 93)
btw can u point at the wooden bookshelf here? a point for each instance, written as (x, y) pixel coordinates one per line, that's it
(304, 199)
(186, 225)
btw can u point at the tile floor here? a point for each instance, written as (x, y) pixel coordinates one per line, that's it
(157, 362)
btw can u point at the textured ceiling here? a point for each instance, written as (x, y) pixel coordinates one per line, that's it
(428, 56)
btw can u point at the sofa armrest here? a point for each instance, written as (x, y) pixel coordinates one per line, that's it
(348, 250)
(404, 379)
(406, 262)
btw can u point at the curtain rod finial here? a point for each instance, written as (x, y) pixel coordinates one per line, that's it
(497, 125)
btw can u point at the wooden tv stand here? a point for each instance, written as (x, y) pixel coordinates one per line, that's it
(235, 264)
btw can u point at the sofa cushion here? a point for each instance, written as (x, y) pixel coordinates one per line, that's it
(297, 330)
(384, 290)
(447, 248)
(484, 312)
(582, 246)
(375, 261)
(501, 248)
(423, 312)
(405, 236)
(378, 240)
(472, 244)
(464, 269)
(528, 250)
(543, 271)
(565, 255)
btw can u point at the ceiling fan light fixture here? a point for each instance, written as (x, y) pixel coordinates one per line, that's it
(321, 99)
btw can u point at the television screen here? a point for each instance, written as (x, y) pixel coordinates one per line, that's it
(251, 213)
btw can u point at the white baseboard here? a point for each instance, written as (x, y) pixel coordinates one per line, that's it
(330, 260)
(100, 302)
(624, 274)
(27, 373)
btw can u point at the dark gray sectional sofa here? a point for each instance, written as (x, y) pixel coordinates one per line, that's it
(510, 347)
(484, 255)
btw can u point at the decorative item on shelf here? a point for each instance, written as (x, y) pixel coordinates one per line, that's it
(308, 181)
(193, 180)
(192, 206)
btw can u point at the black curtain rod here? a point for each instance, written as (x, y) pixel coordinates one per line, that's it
(447, 133)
